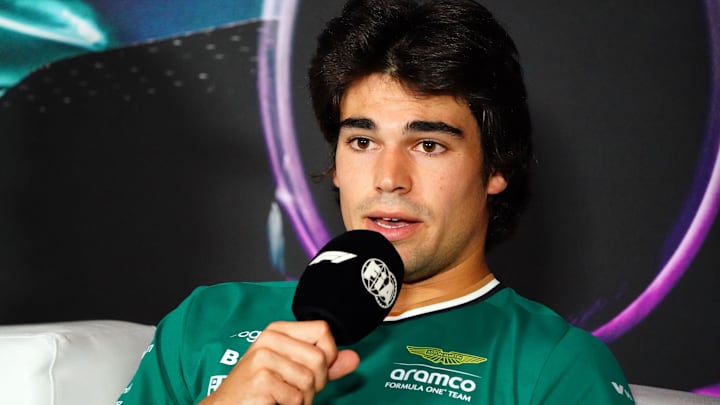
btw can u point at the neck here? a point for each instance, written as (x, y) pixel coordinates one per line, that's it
(441, 287)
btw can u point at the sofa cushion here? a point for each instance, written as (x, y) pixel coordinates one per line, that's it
(82, 362)
(646, 395)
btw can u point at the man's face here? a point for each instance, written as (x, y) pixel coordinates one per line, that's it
(410, 167)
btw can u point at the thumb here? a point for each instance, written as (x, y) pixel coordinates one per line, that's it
(346, 362)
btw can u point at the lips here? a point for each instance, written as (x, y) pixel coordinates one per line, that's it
(394, 225)
(391, 223)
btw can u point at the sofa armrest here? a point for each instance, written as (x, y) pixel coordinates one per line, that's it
(82, 362)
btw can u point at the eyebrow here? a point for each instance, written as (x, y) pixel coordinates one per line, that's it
(433, 126)
(414, 126)
(359, 123)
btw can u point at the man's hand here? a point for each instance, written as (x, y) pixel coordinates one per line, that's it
(288, 364)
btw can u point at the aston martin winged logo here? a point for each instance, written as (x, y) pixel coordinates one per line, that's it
(446, 358)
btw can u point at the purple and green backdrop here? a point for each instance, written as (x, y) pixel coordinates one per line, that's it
(146, 149)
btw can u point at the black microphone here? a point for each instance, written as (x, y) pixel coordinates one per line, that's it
(352, 284)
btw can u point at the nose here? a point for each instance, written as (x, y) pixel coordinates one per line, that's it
(393, 171)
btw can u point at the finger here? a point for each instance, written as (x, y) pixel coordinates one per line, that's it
(308, 331)
(347, 361)
(286, 390)
(310, 357)
(316, 333)
(285, 380)
(265, 387)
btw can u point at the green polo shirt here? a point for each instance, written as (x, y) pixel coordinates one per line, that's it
(489, 347)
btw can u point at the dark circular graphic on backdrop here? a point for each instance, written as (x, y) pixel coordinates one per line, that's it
(292, 192)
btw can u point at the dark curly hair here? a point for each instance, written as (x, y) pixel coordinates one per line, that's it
(449, 47)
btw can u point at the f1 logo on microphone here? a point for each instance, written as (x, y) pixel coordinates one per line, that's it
(333, 256)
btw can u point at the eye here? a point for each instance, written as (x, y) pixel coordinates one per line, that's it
(360, 143)
(430, 147)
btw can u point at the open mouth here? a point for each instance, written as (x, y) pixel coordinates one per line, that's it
(391, 223)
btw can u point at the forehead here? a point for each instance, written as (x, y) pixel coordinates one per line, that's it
(379, 96)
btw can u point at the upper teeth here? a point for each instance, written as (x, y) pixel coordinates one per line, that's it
(391, 219)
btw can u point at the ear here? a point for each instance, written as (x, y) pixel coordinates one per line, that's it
(334, 178)
(496, 183)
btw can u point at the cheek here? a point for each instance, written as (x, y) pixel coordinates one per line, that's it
(468, 198)
(341, 178)
(351, 219)
(343, 182)
(350, 175)
(342, 169)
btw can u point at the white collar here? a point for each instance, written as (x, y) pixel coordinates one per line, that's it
(446, 304)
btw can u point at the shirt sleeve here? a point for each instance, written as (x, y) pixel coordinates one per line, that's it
(581, 370)
(159, 379)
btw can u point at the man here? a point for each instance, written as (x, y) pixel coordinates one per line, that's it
(425, 106)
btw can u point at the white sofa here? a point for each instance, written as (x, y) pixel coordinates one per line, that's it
(78, 363)
(91, 362)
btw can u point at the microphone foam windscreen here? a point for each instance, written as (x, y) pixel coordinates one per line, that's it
(352, 284)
